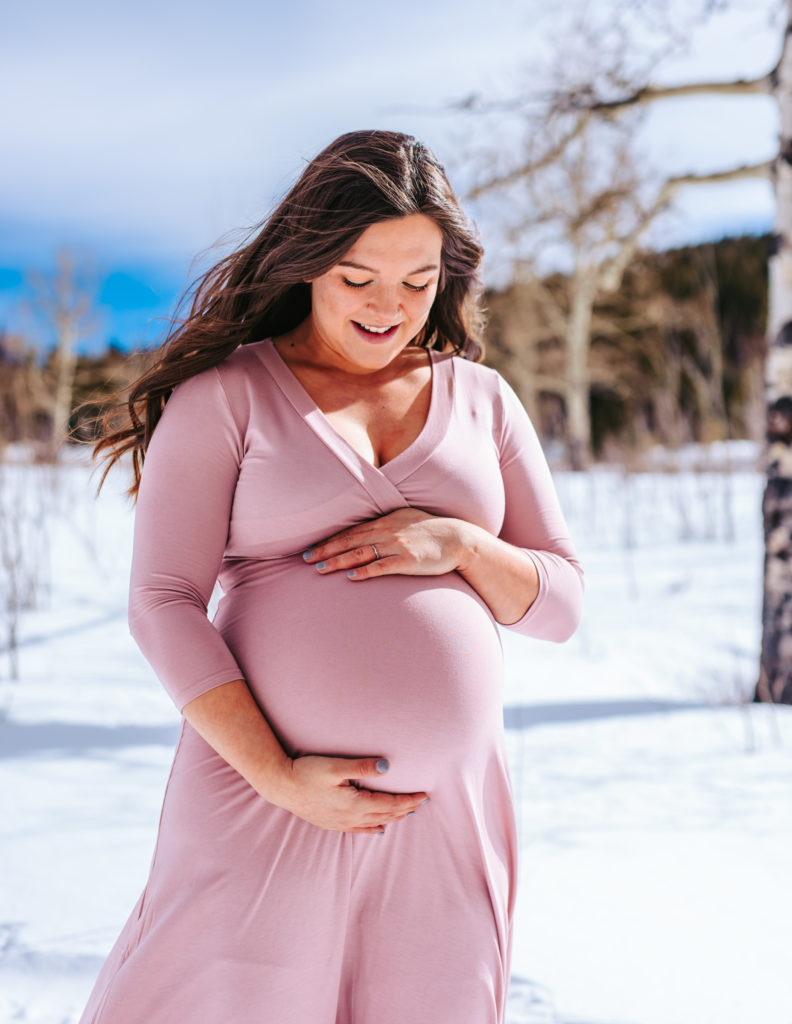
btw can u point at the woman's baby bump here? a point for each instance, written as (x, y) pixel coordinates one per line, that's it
(404, 667)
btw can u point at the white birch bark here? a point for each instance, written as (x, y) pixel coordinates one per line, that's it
(775, 670)
(776, 660)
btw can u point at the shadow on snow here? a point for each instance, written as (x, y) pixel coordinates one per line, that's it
(531, 1003)
(523, 716)
(23, 738)
(18, 739)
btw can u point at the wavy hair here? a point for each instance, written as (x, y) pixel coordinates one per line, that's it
(260, 290)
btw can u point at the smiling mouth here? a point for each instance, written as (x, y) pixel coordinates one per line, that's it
(376, 332)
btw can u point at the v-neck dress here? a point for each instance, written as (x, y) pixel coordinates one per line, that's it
(251, 915)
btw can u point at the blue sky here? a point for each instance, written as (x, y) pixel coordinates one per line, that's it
(139, 134)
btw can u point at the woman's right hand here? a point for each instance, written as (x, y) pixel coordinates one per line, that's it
(321, 791)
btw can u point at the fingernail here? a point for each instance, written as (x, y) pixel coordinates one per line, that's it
(382, 765)
(351, 574)
(409, 813)
(426, 801)
(320, 565)
(308, 554)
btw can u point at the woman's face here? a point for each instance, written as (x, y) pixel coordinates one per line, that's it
(374, 301)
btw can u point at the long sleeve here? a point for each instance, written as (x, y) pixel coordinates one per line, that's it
(181, 528)
(534, 522)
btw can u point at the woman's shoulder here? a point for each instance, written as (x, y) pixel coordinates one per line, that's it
(244, 359)
(242, 370)
(485, 388)
(229, 386)
(476, 376)
(238, 364)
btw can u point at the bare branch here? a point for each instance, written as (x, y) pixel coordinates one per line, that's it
(533, 166)
(651, 93)
(613, 270)
(530, 168)
(763, 169)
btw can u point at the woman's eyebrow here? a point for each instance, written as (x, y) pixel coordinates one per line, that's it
(361, 266)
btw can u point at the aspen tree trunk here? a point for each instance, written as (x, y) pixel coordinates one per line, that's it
(64, 364)
(775, 670)
(578, 341)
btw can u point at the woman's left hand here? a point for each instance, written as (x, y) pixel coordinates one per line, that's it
(408, 541)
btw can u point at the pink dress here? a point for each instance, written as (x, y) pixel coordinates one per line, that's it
(251, 915)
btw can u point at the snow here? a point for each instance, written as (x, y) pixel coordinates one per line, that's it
(654, 801)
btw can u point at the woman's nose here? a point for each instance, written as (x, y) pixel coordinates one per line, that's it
(385, 302)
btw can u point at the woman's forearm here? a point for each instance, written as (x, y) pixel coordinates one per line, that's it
(318, 789)
(504, 576)
(231, 722)
(411, 541)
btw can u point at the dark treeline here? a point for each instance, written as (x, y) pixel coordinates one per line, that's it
(28, 392)
(676, 355)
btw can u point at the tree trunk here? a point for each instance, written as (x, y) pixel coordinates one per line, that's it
(578, 341)
(64, 364)
(775, 669)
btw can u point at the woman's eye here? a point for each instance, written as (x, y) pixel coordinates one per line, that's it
(362, 284)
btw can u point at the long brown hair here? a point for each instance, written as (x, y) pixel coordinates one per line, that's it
(260, 291)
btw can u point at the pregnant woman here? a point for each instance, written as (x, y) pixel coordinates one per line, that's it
(337, 840)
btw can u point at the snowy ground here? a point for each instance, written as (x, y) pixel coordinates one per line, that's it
(655, 805)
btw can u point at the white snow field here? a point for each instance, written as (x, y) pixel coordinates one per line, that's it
(654, 802)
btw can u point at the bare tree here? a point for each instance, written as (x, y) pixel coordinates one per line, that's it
(608, 97)
(581, 188)
(63, 302)
(28, 498)
(775, 667)
(578, 188)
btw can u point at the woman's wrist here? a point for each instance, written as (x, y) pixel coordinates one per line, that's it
(504, 576)
(468, 545)
(230, 720)
(275, 779)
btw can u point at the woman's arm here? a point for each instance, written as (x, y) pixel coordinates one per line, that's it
(529, 575)
(505, 576)
(416, 543)
(534, 523)
(181, 526)
(317, 789)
